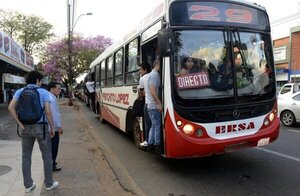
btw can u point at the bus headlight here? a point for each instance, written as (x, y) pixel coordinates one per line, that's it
(199, 132)
(272, 116)
(188, 129)
(179, 123)
(266, 122)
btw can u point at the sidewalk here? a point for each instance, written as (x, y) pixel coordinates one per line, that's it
(86, 168)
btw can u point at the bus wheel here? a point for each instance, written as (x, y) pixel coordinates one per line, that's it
(137, 134)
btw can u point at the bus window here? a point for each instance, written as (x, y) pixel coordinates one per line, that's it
(97, 76)
(149, 51)
(132, 74)
(109, 70)
(254, 71)
(209, 68)
(102, 72)
(118, 67)
(243, 61)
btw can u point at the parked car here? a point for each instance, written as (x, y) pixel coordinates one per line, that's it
(288, 89)
(289, 109)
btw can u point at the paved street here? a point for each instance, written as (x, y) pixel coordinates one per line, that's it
(271, 170)
(98, 159)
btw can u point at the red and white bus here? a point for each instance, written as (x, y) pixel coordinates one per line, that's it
(229, 103)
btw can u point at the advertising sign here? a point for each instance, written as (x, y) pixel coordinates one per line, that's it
(13, 53)
(9, 78)
(280, 53)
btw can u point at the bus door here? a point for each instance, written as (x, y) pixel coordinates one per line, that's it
(149, 55)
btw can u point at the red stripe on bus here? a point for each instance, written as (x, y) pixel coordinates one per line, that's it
(108, 115)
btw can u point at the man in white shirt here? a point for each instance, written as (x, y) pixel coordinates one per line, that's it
(54, 91)
(144, 72)
(90, 86)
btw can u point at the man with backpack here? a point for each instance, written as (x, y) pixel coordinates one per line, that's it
(29, 107)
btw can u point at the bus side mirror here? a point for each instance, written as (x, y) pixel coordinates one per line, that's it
(165, 42)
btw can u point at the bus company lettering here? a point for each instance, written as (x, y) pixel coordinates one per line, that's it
(122, 98)
(195, 80)
(234, 127)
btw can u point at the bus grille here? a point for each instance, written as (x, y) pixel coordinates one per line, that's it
(208, 116)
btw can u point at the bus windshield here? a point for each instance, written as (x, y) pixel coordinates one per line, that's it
(214, 64)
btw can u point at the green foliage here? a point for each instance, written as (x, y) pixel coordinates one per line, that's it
(31, 32)
(10, 22)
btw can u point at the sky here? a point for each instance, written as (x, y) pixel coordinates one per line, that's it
(114, 18)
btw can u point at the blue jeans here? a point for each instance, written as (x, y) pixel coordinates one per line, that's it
(29, 135)
(154, 134)
(147, 123)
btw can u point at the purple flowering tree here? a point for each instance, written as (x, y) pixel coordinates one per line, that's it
(54, 61)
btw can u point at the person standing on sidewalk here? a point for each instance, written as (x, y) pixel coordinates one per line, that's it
(154, 108)
(36, 131)
(54, 91)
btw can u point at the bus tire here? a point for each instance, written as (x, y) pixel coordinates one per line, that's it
(136, 131)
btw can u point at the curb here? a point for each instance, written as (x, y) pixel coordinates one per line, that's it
(124, 178)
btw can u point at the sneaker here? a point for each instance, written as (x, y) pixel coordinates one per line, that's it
(28, 190)
(55, 169)
(144, 144)
(54, 185)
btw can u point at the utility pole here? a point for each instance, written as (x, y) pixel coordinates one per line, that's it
(71, 26)
(69, 5)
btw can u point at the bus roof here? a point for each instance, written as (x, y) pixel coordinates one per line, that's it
(150, 19)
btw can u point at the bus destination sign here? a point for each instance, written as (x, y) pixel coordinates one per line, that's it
(209, 13)
(196, 80)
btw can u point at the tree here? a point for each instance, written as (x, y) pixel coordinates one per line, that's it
(10, 22)
(29, 31)
(85, 50)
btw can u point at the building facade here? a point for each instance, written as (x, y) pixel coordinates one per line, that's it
(15, 62)
(287, 58)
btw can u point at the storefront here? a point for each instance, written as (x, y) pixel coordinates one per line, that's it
(15, 62)
(287, 59)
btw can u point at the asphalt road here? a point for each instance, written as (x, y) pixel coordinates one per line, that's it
(271, 170)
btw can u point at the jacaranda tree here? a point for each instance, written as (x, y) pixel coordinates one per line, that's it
(55, 62)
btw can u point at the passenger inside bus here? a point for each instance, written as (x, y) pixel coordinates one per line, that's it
(189, 66)
(221, 76)
(243, 72)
